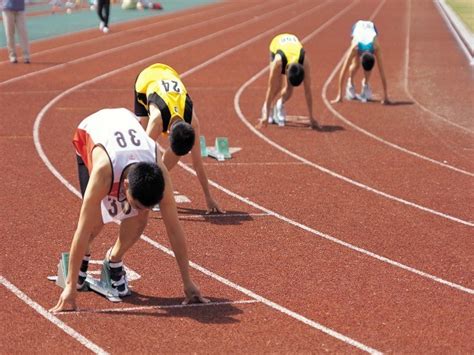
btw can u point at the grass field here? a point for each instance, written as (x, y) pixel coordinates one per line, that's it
(465, 10)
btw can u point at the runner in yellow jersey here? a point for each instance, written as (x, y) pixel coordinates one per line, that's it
(165, 109)
(289, 67)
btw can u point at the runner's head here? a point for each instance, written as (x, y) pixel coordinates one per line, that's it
(367, 60)
(182, 137)
(145, 185)
(295, 74)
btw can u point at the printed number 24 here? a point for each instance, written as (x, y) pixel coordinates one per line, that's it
(172, 85)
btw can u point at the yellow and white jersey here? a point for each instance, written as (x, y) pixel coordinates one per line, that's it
(290, 49)
(161, 85)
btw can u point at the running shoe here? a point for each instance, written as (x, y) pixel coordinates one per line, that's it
(350, 92)
(366, 93)
(115, 273)
(280, 113)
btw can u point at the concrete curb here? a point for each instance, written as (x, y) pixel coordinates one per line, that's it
(460, 31)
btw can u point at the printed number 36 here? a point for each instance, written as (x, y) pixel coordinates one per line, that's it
(122, 142)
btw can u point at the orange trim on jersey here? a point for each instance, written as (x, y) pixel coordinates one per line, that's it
(84, 145)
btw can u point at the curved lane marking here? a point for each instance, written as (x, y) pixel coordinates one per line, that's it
(247, 201)
(407, 68)
(373, 136)
(53, 319)
(319, 167)
(142, 41)
(251, 294)
(137, 28)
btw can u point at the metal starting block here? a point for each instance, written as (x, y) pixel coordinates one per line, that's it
(102, 286)
(220, 151)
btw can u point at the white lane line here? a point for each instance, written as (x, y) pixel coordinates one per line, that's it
(50, 317)
(276, 163)
(147, 40)
(101, 38)
(158, 307)
(319, 167)
(465, 46)
(71, 188)
(203, 216)
(64, 93)
(269, 303)
(407, 69)
(137, 28)
(334, 239)
(373, 136)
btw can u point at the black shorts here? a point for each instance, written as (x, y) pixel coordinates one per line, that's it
(83, 173)
(138, 108)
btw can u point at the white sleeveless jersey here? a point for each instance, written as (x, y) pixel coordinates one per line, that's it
(123, 138)
(364, 32)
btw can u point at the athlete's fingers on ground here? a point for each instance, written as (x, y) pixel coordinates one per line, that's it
(215, 210)
(63, 306)
(195, 299)
(203, 299)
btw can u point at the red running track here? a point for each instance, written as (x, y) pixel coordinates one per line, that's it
(358, 238)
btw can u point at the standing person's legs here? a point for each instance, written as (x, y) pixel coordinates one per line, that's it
(100, 7)
(23, 34)
(106, 12)
(9, 24)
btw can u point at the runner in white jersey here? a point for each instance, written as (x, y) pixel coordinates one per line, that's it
(364, 49)
(121, 176)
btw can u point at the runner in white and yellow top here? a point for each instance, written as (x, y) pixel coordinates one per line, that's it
(165, 108)
(289, 67)
(364, 49)
(121, 176)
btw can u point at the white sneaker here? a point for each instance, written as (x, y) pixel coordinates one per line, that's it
(366, 93)
(350, 92)
(270, 116)
(105, 30)
(280, 113)
(101, 26)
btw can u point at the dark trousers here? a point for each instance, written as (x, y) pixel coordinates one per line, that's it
(103, 10)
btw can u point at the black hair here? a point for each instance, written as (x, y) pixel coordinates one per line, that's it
(146, 183)
(295, 74)
(368, 60)
(182, 138)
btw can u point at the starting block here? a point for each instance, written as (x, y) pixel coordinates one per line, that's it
(103, 286)
(202, 142)
(220, 151)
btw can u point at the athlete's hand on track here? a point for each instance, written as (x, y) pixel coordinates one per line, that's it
(193, 295)
(67, 301)
(261, 122)
(386, 101)
(213, 207)
(314, 124)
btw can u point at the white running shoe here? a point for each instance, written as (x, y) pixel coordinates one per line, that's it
(350, 92)
(280, 113)
(101, 26)
(105, 30)
(366, 93)
(270, 116)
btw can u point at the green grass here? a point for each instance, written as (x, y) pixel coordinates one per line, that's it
(465, 10)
